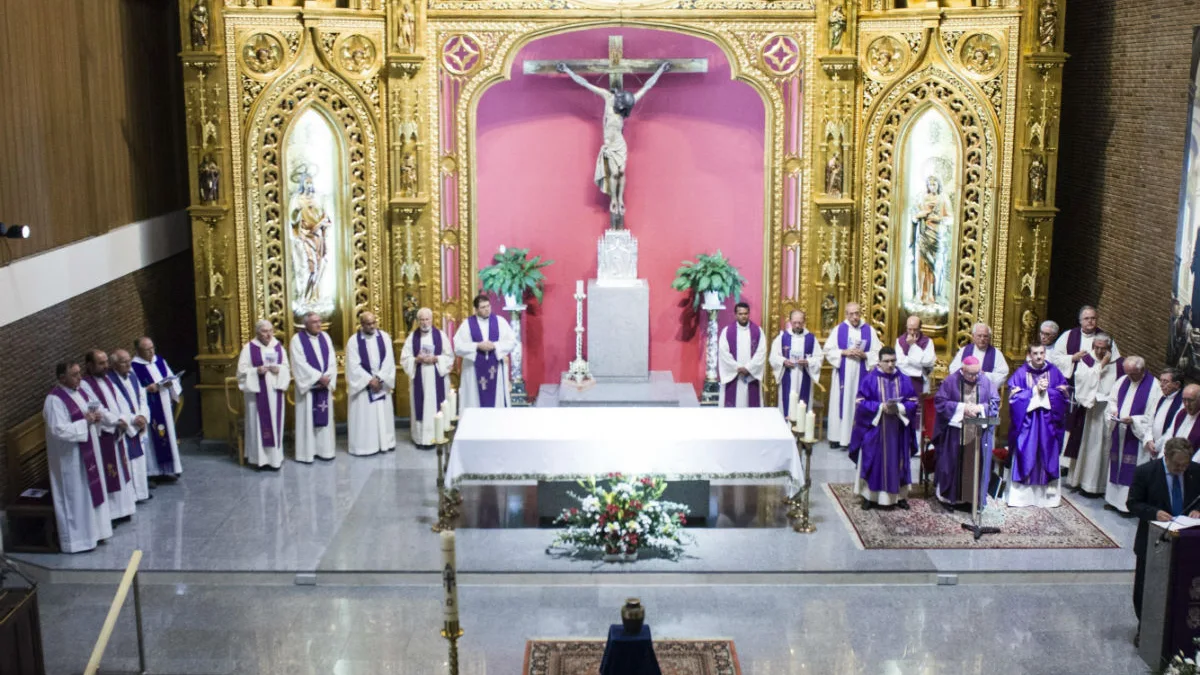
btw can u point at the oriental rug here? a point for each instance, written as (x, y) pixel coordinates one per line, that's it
(927, 525)
(675, 657)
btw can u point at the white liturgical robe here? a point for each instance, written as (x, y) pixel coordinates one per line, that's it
(844, 391)
(81, 525)
(1164, 418)
(752, 357)
(371, 420)
(264, 402)
(421, 424)
(312, 440)
(796, 373)
(1093, 388)
(152, 373)
(1183, 428)
(998, 373)
(1141, 426)
(466, 347)
(121, 502)
(131, 397)
(1062, 357)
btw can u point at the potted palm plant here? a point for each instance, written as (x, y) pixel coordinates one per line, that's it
(711, 278)
(513, 273)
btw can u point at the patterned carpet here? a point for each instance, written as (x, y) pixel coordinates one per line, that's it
(675, 657)
(929, 525)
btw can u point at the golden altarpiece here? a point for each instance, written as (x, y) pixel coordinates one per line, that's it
(910, 159)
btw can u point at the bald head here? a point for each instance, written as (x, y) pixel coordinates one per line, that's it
(120, 361)
(1191, 398)
(981, 335)
(796, 321)
(853, 313)
(1134, 367)
(368, 323)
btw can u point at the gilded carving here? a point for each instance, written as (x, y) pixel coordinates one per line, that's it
(214, 329)
(1037, 181)
(293, 40)
(198, 23)
(262, 54)
(357, 55)
(1047, 25)
(557, 5)
(210, 180)
(406, 28)
(982, 55)
(833, 175)
(251, 88)
(885, 57)
(837, 27)
(950, 40)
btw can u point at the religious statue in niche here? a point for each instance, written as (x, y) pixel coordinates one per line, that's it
(214, 328)
(1047, 24)
(408, 175)
(406, 31)
(410, 311)
(312, 156)
(829, 310)
(1037, 181)
(837, 27)
(929, 221)
(198, 19)
(263, 55)
(210, 180)
(310, 226)
(929, 161)
(833, 175)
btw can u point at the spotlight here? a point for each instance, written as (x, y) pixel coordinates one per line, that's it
(14, 231)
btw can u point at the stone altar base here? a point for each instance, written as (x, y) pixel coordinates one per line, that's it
(618, 328)
(659, 390)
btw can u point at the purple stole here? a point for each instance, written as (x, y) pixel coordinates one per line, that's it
(844, 343)
(785, 390)
(1170, 411)
(364, 360)
(158, 415)
(487, 366)
(903, 347)
(1193, 435)
(419, 381)
(320, 403)
(85, 447)
(266, 430)
(1122, 459)
(1075, 340)
(135, 449)
(989, 357)
(753, 389)
(110, 454)
(1075, 425)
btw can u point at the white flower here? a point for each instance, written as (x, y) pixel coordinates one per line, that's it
(502, 249)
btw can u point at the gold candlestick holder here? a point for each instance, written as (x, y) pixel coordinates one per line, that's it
(452, 632)
(448, 500)
(799, 504)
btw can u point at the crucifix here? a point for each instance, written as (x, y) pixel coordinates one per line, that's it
(618, 104)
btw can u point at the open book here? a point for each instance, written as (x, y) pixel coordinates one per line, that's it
(1177, 523)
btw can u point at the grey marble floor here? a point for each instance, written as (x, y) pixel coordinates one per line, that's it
(777, 630)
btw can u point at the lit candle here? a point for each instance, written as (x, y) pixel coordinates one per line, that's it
(449, 577)
(578, 287)
(810, 425)
(793, 399)
(801, 408)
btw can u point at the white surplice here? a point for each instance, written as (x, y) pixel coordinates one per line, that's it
(257, 453)
(1182, 428)
(813, 367)
(137, 395)
(999, 372)
(1142, 428)
(168, 395)
(371, 425)
(917, 363)
(1093, 388)
(1062, 359)
(1164, 423)
(842, 395)
(468, 349)
(755, 363)
(422, 429)
(80, 525)
(121, 503)
(312, 441)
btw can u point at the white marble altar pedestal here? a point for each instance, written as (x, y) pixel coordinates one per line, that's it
(618, 330)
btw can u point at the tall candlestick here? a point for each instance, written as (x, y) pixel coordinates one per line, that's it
(578, 287)
(449, 577)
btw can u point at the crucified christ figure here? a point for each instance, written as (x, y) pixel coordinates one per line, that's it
(610, 164)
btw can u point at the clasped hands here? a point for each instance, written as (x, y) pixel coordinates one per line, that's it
(972, 410)
(375, 385)
(486, 346)
(426, 359)
(792, 363)
(273, 369)
(854, 353)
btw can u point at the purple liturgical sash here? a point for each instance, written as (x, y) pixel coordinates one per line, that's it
(1075, 340)
(116, 470)
(1193, 435)
(1169, 418)
(753, 388)
(364, 360)
(487, 366)
(85, 447)
(1122, 459)
(844, 343)
(989, 357)
(785, 389)
(158, 415)
(419, 379)
(134, 447)
(267, 429)
(320, 396)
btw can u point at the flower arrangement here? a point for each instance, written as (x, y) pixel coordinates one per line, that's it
(621, 515)
(1182, 664)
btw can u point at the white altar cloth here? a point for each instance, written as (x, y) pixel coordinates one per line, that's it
(495, 445)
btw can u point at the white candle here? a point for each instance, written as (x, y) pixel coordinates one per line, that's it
(449, 577)
(453, 404)
(793, 399)
(439, 430)
(578, 287)
(810, 425)
(801, 409)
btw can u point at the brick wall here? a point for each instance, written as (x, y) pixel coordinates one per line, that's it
(1124, 119)
(157, 301)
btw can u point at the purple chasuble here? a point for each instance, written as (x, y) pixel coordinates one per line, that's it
(753, 388)
(116, 470)
(1193, 435)
(364, 360)
(785, 387)
(320, 396)
(158, 414)
(418, 379)
(266, 428)
(487, 366)
(85, 447)
(948, 440)
(135, 447)
(989, 357)
(1035, 436)
(1122, 458)
(844, 343)
(885, 447)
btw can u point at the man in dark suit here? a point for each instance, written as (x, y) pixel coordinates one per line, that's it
(1161, 490)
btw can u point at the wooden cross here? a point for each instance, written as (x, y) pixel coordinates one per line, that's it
(616, 66)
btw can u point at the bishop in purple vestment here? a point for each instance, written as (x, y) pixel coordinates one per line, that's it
(882, 442)
(964, 450)
(1037, 404)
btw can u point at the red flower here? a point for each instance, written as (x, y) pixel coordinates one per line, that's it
(1001, 454)
(612, 508)
(682, 519)
(574, 512)
(635, 505)
(647, 481)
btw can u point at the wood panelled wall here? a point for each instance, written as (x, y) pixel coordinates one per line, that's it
(91, 120)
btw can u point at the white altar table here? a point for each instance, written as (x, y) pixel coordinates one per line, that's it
(750, 445)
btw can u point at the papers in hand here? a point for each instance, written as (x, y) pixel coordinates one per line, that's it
(1177, 523)
(35, 493)
(171, 378)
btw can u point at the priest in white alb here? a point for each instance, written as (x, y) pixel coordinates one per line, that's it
(1131, 421)
(426, 358)
(370, 381)
(483, 341)
(915, 359)
(132, 401)
(995, 367)
(314, 370)
(1187, 421)
(796, 361)
(1095, 376)
(114, 462)
(1170, 383)
(852, 349)
(73, 458)
(741, 361)
(263, 375)
(162, 391)
(1069, 350)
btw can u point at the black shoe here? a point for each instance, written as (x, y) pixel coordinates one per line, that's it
(123, 519)
(835, 445)
(903, 503)
(867, 505)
